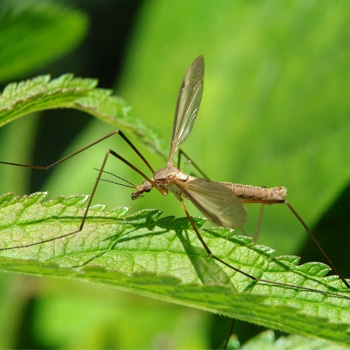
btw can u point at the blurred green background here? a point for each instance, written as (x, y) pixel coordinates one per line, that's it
(275, 111)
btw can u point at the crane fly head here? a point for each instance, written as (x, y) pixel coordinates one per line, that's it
(144, 187)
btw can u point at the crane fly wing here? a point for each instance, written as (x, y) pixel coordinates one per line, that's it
(215, 201)
(187, 105)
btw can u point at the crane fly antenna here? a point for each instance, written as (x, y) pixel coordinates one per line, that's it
(126, 183)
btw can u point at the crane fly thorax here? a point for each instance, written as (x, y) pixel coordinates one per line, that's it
(169, 178)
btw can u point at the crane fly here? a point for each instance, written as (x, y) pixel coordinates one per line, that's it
(220, 202)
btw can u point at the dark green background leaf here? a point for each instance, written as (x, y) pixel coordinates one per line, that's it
(34, 33)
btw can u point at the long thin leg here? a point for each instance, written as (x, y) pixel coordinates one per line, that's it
(318, 245)
(182, 153)
(255, 238)
(257, 230)
(249, 201)
(253, 278)
(308, 230)
(48, 167)
(109, 152)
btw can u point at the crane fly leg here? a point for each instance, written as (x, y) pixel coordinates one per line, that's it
(101, 170)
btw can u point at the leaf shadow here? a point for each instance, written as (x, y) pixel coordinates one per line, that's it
(148, 225)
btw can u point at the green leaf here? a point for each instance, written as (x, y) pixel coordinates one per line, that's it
(27, 31)
(41, 93)
(266, 341)
(162, 258)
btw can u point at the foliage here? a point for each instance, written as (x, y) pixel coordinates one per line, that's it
(274, 112)
(162, 258)
(27, 29)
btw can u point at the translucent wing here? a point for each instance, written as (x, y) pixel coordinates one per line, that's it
(187, 106)
(215, 201)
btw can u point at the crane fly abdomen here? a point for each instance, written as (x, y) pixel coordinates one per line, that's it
(257, 193)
